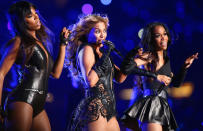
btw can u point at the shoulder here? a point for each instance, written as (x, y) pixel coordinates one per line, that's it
(87, 49)
(14, 42)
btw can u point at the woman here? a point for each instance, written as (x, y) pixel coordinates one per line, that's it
(29, 50)
(96, 112)
(151, 111)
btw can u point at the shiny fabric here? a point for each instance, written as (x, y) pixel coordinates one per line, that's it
(32, 87)
(152, 106)
(99, 100)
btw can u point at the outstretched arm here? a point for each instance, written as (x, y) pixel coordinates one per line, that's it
(179, 78)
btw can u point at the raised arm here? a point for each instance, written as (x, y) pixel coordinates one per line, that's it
(178, 79)
(58, 65)
(8, 59)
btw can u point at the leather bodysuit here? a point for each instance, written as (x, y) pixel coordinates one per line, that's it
(33, 83)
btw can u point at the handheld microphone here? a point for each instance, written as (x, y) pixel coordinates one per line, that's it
(109, 43)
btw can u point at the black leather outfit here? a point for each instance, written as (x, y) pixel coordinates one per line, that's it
(152, 106)
(32, 87)
(99, 100)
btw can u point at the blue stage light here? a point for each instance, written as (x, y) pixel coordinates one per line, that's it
(106, 2)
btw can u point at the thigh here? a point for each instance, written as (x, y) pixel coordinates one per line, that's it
(113, 124)
(41, 122)
(98, 125)
(19, 116)
(151, 127)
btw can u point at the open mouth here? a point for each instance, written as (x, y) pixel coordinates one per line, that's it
(164, 43)
(38, 23)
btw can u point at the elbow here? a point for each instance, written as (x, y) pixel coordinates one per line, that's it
(2, 76)
(121, 78)
(55, 76)
(91, 82)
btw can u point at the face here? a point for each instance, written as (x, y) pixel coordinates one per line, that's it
(32, 20)
(160, 37)
(97, 33)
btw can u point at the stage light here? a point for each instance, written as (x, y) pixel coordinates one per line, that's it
(184, 91)
(9, 26)
(126, 94)
(106, 2)
(87, 9)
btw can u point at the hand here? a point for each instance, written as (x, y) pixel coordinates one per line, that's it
(165, 79)
(146, 56)
(107, 47)
(128, 63)
(64, 36)
(189, 60)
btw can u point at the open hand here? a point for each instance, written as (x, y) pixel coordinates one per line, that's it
(189, 60)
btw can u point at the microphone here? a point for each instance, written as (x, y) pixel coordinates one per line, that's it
(109, 43)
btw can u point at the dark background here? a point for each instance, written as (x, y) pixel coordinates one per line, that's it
(127, 17)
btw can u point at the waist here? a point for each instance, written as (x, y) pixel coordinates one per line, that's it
(155, 92)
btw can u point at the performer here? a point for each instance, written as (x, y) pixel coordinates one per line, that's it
(29, 49)
(93, 66)
(151, 111)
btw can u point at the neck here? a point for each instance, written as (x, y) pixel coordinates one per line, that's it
(160, 54)
(32, 33)
(97, 47)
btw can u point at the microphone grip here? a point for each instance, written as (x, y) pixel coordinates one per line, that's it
(109, 43)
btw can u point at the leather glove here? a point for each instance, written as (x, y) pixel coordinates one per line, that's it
(101, 66)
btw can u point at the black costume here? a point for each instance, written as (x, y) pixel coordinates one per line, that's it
(33, 82)
(152, 106)
(99, 100)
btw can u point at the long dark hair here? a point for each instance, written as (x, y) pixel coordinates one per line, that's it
(16, 15)
(148, 43)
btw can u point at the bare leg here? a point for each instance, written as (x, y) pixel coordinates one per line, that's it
(113, 125)
(19, 116)
(41, 122)
(98, 125)
(151, 127)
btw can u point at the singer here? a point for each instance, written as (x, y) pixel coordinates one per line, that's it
(97, 111)
(30, 50)
(151, 111)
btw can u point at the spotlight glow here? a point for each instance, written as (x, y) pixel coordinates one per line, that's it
(9, 26)
(87, 9)
(106, 2)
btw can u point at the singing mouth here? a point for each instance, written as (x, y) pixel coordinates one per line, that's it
(38, 23)
(164, 43)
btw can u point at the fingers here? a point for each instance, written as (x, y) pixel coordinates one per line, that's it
(196, 55)
(165, 79)
(65, 32)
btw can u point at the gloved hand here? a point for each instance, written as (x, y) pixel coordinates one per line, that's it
(128, 63)
(102, 65)
(129, 66)
(64, 36)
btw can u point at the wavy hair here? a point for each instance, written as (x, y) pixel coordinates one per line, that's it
(79, 33)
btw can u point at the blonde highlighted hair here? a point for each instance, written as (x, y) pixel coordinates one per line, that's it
(79, 33)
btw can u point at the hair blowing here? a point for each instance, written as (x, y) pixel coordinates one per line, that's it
(79, 34)
(17, 13)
